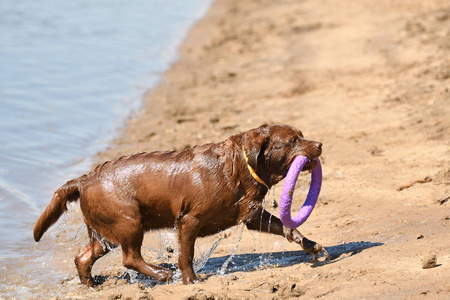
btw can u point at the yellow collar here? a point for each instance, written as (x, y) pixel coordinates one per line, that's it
(252, 171)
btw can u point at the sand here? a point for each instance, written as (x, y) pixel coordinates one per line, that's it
(371, 81)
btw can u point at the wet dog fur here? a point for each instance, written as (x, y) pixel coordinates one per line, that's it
(201, 191)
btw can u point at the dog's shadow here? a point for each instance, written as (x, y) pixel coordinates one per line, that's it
(253, 261)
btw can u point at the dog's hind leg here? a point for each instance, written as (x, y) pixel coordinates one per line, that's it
(87, 257)
(132, 258)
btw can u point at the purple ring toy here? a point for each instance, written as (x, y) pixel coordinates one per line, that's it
(288, 191)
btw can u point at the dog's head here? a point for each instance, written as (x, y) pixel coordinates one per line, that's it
(272, 148)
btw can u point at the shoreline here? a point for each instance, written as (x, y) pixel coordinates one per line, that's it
(143, 130)
(377, 99)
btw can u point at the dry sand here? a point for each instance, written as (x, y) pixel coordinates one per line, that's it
(369, 79)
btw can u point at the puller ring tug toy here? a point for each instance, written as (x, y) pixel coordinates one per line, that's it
(286, 201)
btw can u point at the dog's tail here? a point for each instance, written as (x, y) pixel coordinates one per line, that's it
(58, 205)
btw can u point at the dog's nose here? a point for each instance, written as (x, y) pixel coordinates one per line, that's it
(318, 145)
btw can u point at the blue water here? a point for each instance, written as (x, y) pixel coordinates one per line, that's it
(71, 72)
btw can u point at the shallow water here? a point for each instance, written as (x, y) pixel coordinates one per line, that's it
(71, 72)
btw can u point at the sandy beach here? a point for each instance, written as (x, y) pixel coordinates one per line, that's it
(371, 81)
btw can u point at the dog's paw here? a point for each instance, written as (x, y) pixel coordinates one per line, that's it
(314, 248)
(164, 275)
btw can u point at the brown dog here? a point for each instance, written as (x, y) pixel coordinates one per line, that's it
(201, 190)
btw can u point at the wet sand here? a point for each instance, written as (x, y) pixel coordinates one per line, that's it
(371, 80)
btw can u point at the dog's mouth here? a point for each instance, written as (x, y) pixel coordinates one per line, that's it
(310, 165)
(312, 154)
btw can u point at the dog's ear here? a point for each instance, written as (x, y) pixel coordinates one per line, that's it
(254, 144)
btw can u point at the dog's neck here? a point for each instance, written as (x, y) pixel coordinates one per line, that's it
(253, 172)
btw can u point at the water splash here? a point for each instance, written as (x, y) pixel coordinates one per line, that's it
(200, 262)
(264, 256)
(224, 266)
(167, 244)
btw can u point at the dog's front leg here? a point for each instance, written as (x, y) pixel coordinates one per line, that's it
(188, 228)
(266, 222)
